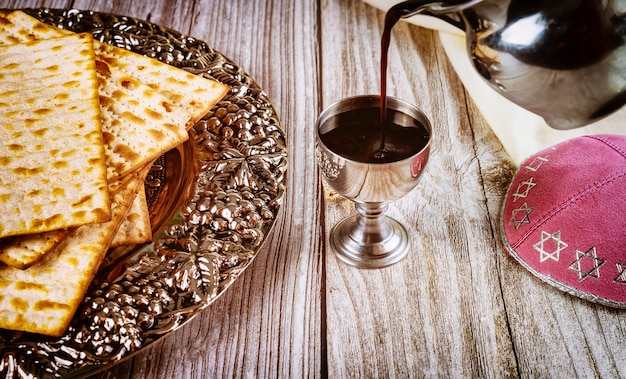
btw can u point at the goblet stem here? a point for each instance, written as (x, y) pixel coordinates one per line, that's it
(369, 239)
(372, 226)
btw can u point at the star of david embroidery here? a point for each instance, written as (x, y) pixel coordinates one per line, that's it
(621, 276)
(536, 163)
(587, 264)
(550, 246)
(520, 216)
(523, 188)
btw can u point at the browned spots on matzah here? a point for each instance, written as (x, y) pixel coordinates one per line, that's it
(109, 138)
(30, 286)
(133, 118)
(111, 61)
(15, 147)
(86, 200)
(28, 171)
(106, 101)
(154, 115)
(39, 132)
(128, 83)
(120, 95)
(68, 153)
(8, 93)
(19, 304)
(60, 164)
(39, 27)
(43, 111)
(49, 223)
(72, 84)
(45, 305)
(156, 134)
(102, 68)
(176, 82)
(127, 152)
(102, 211)
(167, 106)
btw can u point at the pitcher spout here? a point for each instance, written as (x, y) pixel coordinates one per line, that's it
(446, 10)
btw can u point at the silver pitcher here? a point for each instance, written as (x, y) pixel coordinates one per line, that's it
(564, 60)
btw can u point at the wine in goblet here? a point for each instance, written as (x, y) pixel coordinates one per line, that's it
(372, 161)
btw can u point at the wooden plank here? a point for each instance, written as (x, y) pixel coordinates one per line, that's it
(16, 4)
(439, 312)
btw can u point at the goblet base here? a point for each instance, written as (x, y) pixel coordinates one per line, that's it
(367, 248)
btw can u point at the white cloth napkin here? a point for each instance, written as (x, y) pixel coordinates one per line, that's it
(521, 132)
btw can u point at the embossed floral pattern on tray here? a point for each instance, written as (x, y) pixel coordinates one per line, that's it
(230, 178)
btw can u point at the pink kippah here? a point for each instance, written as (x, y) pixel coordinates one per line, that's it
(564, 217)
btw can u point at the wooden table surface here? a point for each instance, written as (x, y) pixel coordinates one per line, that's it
(457, 306)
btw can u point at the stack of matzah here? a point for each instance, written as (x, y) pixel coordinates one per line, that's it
(81, 122)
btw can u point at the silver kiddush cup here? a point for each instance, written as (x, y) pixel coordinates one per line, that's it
(369, 238)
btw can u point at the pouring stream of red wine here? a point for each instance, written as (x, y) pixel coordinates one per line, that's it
(392, 16)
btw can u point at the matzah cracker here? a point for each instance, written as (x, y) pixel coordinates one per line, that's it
(192, 92)
(44, 297)
(17, 27)
(52, 165)
(23, 251)
(138, 124)
(136, 227)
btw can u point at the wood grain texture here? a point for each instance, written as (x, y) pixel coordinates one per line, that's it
(440, 308)
(457, 306)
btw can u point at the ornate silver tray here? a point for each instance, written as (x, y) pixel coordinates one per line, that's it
(212, 203)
